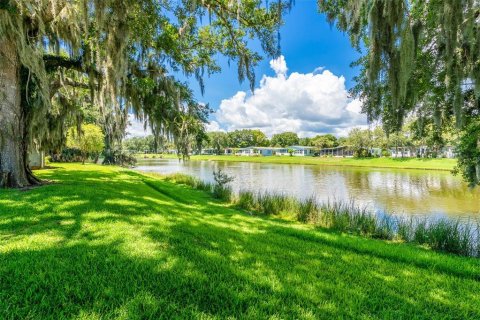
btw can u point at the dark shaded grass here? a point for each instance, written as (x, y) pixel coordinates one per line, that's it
(105, 243)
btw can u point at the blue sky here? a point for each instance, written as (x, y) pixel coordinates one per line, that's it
(299, 99)
(307, 42)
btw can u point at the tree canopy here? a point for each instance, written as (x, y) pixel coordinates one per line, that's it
(89, 140)
(324, 141)
(124, 53)
(247, 138)
(419, 57)
(285, 139)
(218, 141)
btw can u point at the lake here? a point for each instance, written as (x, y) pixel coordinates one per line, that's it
(403, 192)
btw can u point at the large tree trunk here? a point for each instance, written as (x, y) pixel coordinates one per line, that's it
(13, 153)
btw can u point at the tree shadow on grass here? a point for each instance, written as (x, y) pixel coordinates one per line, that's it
(62, 206)
(208, 271)
(128, 251)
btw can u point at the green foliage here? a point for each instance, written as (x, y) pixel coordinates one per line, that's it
(67, 155)
(419, 58)
(140, 144)
(246, 138)
(120, 157)
(308, 142)
(468, 150)
(188, 180)
(89, 140)
(380, 139)
(285, 139)
(273, 203)
(324, 141)
(265, 202)
(308, 210)
(218, 141)
(246, 200)
(221, 189)
(119, 56)
(342, 141)
(360, 141)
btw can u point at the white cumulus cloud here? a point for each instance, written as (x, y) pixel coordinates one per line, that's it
(279, 65)
(309, 104)
(213, 126)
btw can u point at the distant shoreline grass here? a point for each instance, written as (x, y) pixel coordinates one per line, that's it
(102, 242)
(388, 163)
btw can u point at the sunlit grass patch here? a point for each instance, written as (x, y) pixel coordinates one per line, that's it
(134, 246)
(383, 162)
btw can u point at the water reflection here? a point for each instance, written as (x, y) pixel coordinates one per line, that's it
(413, 192)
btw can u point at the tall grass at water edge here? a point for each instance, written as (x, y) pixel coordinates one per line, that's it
(447, 235)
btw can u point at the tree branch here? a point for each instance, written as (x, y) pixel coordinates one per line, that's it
(53, 62)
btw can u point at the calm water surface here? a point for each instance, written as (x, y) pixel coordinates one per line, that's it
(413, 192)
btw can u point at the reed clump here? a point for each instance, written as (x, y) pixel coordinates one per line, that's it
(268, 203)
(446, 235)
(190, 181)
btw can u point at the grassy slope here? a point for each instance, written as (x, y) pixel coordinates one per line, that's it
(105, 242)
(406, 163)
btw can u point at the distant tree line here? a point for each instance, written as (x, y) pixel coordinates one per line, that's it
(360, 140)
(219, 140)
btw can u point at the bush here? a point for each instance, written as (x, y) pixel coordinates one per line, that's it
(89, 140)
(420, 232)
(274, 203)
(181, 178)
(205, 186)
(120, 158)
(451, 237)
(67, 155)
(405, 229)
(221, 190)
(386, 153)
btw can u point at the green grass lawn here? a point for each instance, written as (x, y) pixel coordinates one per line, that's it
(104, 242)
(398, 163)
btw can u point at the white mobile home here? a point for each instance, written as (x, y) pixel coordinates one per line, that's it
(448, 152)
(402, 152)
(208, 151)
(281, 152)
(301, 150)
(261, 151)
(248, 151)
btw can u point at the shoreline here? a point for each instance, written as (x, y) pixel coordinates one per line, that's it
(444, 165)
